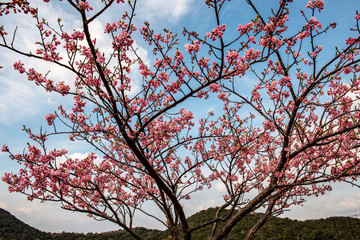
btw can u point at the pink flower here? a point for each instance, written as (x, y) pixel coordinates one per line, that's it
(313, 23)
(219, 31)
(251, 54)
(110, 27)
(214, 87)
(62, 88)
(19, 66)
(316, 4)
(302, 35)
(49, 118)
(285, 81)
(318, 50)
(347, 70)
(195, 47)
(245, 29)
(85, 5)
(5, 148)
(100, 58)
(222, 96)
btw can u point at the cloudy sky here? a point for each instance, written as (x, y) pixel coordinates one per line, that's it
(23, 103)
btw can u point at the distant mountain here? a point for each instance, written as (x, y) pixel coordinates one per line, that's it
(276, 228)
(13, 228)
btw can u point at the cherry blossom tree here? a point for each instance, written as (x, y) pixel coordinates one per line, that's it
(289, 137)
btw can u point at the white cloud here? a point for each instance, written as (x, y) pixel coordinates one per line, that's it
(20, 99)
(220, 187)
(78, 155)
(15, 97)
(3, 205)
(103, 41)
(74, 155)
(341, 204)
(26, 210)
(50, 218)
(205, 204)
(202, 200)
(171, 10)
(344, 200)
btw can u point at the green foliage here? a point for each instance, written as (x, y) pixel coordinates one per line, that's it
(334, 228)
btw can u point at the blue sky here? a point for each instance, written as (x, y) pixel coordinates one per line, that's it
(21, 102)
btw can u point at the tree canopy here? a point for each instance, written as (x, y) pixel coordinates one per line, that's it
(288, 125)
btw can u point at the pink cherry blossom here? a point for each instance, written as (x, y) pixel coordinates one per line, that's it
(313, 4)
(265, 111)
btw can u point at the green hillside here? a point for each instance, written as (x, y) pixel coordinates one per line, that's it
(285, 228)
(276, 228)
(12, 228)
